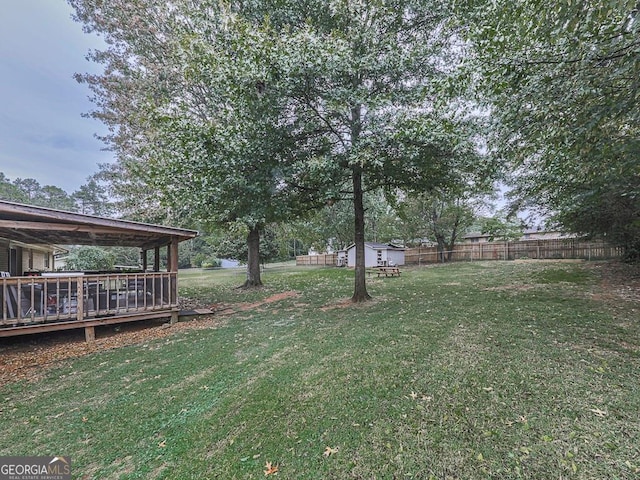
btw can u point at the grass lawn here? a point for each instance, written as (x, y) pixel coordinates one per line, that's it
(463, 371)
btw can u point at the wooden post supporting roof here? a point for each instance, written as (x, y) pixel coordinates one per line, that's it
(156, 259)
(172, 266)
(143, 257)
(173, 255)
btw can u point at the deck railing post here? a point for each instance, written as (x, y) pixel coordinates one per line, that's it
(79, 299)
(19, 301)
(5, 300)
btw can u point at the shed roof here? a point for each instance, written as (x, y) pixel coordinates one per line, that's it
(41, 226)
(378, 246)
(477, 235)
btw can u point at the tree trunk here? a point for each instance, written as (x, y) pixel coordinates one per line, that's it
(253, 258)
(449, 252)
(453, 237)
(442, 247)
(360, 292)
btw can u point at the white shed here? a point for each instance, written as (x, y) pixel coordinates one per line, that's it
(377, 255)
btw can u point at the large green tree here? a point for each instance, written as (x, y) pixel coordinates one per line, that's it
(232, 244)
(503, 227)
(331, 228)
(562, 78)
(441, 217)
(371, 77)
(55, 197)
(89, 258)
(9, 191)
(92, 199)
(198, 118)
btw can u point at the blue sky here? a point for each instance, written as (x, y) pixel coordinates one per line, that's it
(42, 132)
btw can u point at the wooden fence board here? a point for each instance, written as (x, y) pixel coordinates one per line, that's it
(534, 249)
(325, 259)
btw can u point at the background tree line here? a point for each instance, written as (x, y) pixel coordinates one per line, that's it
(91, 198)
(412, 221)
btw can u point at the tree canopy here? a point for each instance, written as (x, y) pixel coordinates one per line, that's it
(197, 115)
(562, 79)
(89, 198)
(438, 217)
(371, 77)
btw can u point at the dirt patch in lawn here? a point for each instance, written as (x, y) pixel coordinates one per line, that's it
(345, 303)
(243, 307)
(349, 303)
(230, 309)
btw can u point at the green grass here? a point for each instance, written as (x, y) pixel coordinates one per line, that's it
(481, 370)
(569, 273)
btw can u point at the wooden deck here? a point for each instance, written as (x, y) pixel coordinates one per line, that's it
(68, 300)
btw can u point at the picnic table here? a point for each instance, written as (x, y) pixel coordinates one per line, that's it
(388, 271)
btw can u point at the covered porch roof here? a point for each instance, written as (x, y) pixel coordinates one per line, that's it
(46, 226)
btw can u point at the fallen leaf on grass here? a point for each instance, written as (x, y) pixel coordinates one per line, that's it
(329, 451)
(598, 412)
(632, 467)
(162, 444)
(270, 469)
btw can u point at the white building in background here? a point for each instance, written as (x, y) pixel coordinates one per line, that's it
(529, 234)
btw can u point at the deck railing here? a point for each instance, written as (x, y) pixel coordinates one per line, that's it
(68, 296)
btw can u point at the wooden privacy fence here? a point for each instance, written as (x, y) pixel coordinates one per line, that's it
(326, 259)
(535, 249)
